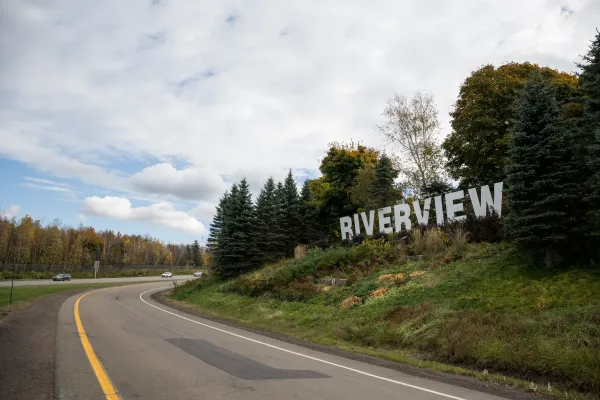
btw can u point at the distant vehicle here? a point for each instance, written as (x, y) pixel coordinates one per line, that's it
(198, 274)
(167, 275)
(62, 277)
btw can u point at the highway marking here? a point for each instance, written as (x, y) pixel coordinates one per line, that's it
(300, 354)
(107, 386)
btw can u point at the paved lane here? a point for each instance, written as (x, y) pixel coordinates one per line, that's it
(152, 352)
(38, 282)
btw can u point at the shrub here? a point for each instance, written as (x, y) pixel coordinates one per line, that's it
(365, 288)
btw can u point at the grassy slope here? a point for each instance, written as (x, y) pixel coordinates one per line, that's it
(487, 310)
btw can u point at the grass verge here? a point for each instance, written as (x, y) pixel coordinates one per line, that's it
(23, 295)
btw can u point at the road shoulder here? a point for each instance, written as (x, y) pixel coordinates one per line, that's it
(452, 379)
(27, 349)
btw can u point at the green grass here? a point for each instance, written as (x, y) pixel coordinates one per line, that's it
(23, 294)
(488, 310)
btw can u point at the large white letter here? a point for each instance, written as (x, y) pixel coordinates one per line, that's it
(403, 218)
(385, 223)
(480, 208)
(368, 226)
(439, 210)
(346, 227)
(422, 218)
(356, 225)
(451, 208)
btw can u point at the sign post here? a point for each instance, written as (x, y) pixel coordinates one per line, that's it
(96, 267)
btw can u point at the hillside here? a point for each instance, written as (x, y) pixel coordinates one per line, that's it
(476, 309)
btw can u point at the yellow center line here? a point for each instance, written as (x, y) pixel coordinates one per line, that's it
(107, 386)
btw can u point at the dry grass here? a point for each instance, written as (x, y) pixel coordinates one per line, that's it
(300, 251)
(434, 243)
(418, 241)
(459, 240)
(350, 302)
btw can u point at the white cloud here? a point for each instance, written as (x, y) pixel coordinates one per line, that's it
(11, 211)
(189, 184)
(61, 189)
(91, 86)
(120, 208)
(203, 211)
(45, 181)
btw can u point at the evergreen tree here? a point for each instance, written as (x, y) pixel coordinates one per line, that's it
(589, 91)
(281, 212)
(384, 190)
(217, 223)
(196, 254)
(239, 253)
(291, 226)
(539, 171)
(309, 226)
(268, 229)
(223, 235)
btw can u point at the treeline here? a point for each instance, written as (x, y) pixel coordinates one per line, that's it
(29, 242)
(534, 128)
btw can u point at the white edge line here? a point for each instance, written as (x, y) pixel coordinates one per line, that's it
(298, 354)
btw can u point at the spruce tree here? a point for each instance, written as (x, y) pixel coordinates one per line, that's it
(221, 238)
(269, 237)
(281, 211)
(384, 191)
(239, 254)
(589, 80)
(540, 167)
(196, 254)
(291, 224)
(217, 222)
(309, 228)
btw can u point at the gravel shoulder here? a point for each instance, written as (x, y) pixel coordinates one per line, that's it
(27, 355)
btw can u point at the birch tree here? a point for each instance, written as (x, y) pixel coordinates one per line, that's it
(412, 126)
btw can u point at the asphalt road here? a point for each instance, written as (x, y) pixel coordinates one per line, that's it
(149, 351)
(38, 282)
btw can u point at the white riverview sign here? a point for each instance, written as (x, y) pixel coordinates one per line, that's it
(400, 213)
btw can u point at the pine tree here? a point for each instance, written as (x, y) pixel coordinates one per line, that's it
(269, 235)
(281, 211)
(217, 223)
(589, 80)
(540, 166)
(239, 253)
(291, 226)
(309, 228)
(222, 228)
(383, 186)
(196, 254)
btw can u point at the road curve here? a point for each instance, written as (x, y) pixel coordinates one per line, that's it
(38, 282)
(145, 350)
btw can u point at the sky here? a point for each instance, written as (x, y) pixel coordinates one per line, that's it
(137, 115)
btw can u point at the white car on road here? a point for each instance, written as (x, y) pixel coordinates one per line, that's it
(167, 275)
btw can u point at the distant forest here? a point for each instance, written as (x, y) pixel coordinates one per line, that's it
(29, 242)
